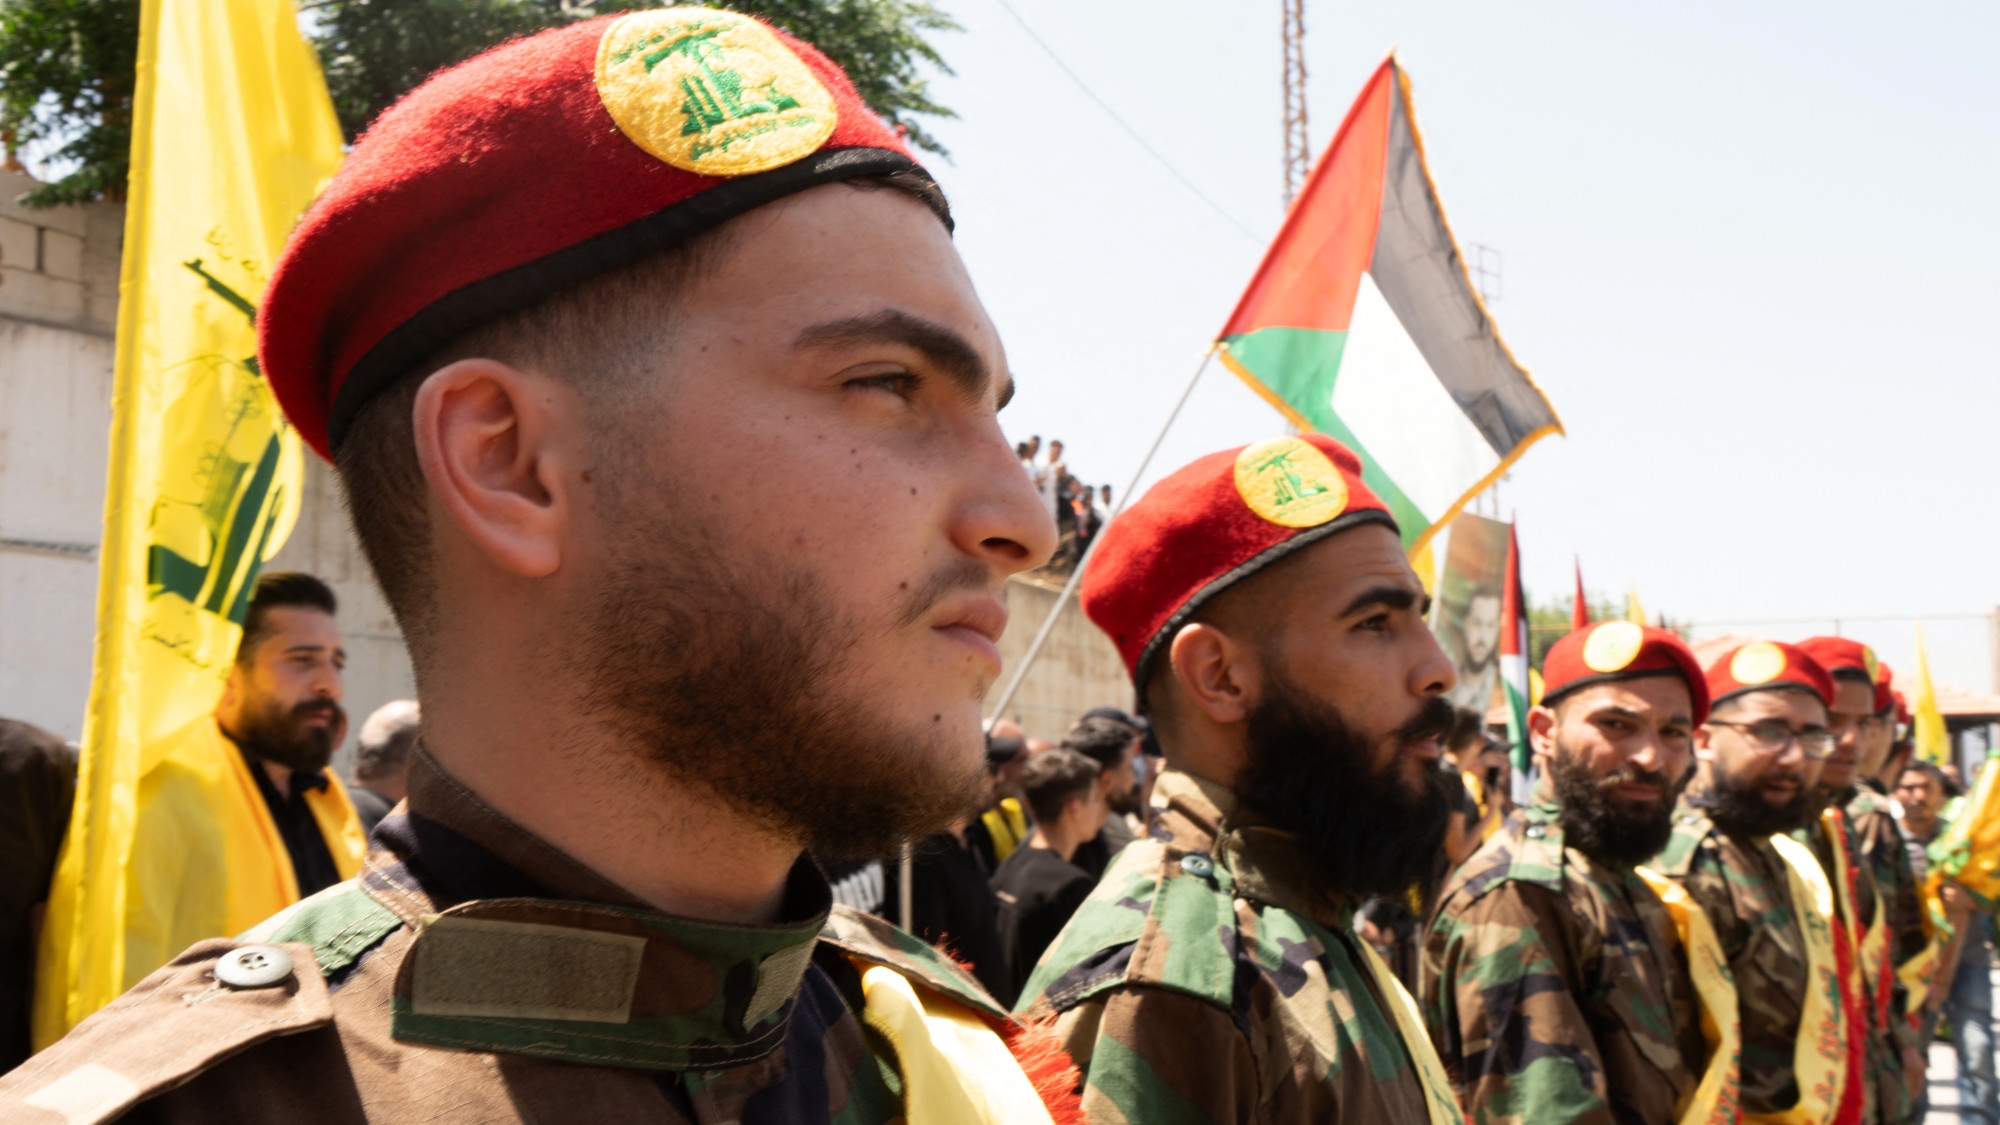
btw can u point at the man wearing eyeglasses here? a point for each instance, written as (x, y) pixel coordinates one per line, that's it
(1758, 758)
(1552, 979)
(1890, 932)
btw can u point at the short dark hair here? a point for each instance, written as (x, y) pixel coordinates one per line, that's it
(1928, 769)
(1103, 741)
(594, 333)
(1854, 676)
(1054, 778)
(278, 589)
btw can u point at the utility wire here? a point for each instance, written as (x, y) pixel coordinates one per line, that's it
(1123, 124)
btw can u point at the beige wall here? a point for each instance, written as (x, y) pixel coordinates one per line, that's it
(58, 308)
(1078, 668)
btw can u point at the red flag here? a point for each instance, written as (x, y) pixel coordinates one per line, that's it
(1579, 615)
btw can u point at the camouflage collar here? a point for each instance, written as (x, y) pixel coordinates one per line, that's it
(528, 952)
(1262, 863)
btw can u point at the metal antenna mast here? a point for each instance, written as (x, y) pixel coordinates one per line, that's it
(1298, 156)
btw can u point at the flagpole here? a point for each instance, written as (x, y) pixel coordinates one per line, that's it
(1069, 588)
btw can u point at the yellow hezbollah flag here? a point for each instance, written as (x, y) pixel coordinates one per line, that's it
(1933, 743)
(232, 136)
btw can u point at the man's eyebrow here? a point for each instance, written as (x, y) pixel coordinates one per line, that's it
(1388, 597)
(952, 353)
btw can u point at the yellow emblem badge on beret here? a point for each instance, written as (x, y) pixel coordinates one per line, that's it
(1290, 482)
(711, 92)
(1612, 646)
(1874, 665)
(1758, 662)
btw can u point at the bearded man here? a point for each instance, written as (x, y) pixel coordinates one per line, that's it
(1888, 912)
(238, 816)
(1275, 636)
(1758, 759)
(667, 416)
(1553, 979)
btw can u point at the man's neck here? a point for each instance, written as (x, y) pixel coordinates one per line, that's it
(1056, 839)
(606, 804)
(1922, 830)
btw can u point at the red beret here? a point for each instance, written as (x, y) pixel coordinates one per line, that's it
(1212, 524)
(1903, 715)
(1885, 693)
(1621, 650)
(1763, 665)
(538, 166)
(1843, 654)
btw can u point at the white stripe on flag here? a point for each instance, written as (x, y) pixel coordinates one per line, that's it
(1388, 395)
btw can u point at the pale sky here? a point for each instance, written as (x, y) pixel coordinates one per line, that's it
(1748, 251)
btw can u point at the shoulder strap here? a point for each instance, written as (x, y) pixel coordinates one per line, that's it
(869, 940)
(173, 1025)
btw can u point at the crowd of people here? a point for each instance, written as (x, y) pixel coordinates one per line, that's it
(1078, 509)
(666, 415)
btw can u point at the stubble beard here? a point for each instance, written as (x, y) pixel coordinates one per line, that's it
(1370, 830)
(726, 675)
(281, 734)
(1611, 831)
(1742, 810)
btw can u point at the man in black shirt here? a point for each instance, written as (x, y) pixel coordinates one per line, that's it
(1113, 743)
(1038, 887)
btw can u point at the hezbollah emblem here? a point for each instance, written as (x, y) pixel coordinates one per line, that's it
(1288, 481)
(1612, 645)
(1758, 662)
(711, 92)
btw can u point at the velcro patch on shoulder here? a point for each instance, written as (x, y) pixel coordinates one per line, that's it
(484, 967)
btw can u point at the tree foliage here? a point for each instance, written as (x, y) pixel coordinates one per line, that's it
(66, 76)
(66, 65)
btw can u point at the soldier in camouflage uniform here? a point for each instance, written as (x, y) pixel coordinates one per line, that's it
(1758, 760)
(1861, 722)
(1553, 981)
(1275, 635)
(699, 548)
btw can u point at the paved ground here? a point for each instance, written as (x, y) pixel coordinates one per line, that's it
(1943, 1075)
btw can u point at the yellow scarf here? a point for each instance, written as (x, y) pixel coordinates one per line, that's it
(956, 1069)
(1820, 1059)
(1438, 1096)
(1714, 1101)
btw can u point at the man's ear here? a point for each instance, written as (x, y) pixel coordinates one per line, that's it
(1218, 675)
(1704, 750)
(500, 448)
(1542, 731)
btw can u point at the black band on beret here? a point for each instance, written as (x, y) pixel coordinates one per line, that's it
(490, 298)
(1570, 688)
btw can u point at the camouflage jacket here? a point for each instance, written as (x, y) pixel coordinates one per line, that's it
(1741, 885)
(1879, 847)
(585, 1007)
(1555, 986)
(1202, 983)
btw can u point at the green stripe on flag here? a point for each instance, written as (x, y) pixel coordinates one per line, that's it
(1295, 368)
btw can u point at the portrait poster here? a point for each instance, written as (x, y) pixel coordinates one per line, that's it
(1466, 617)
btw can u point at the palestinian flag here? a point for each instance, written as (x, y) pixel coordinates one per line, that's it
(1514, 666)
(1362, 324)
